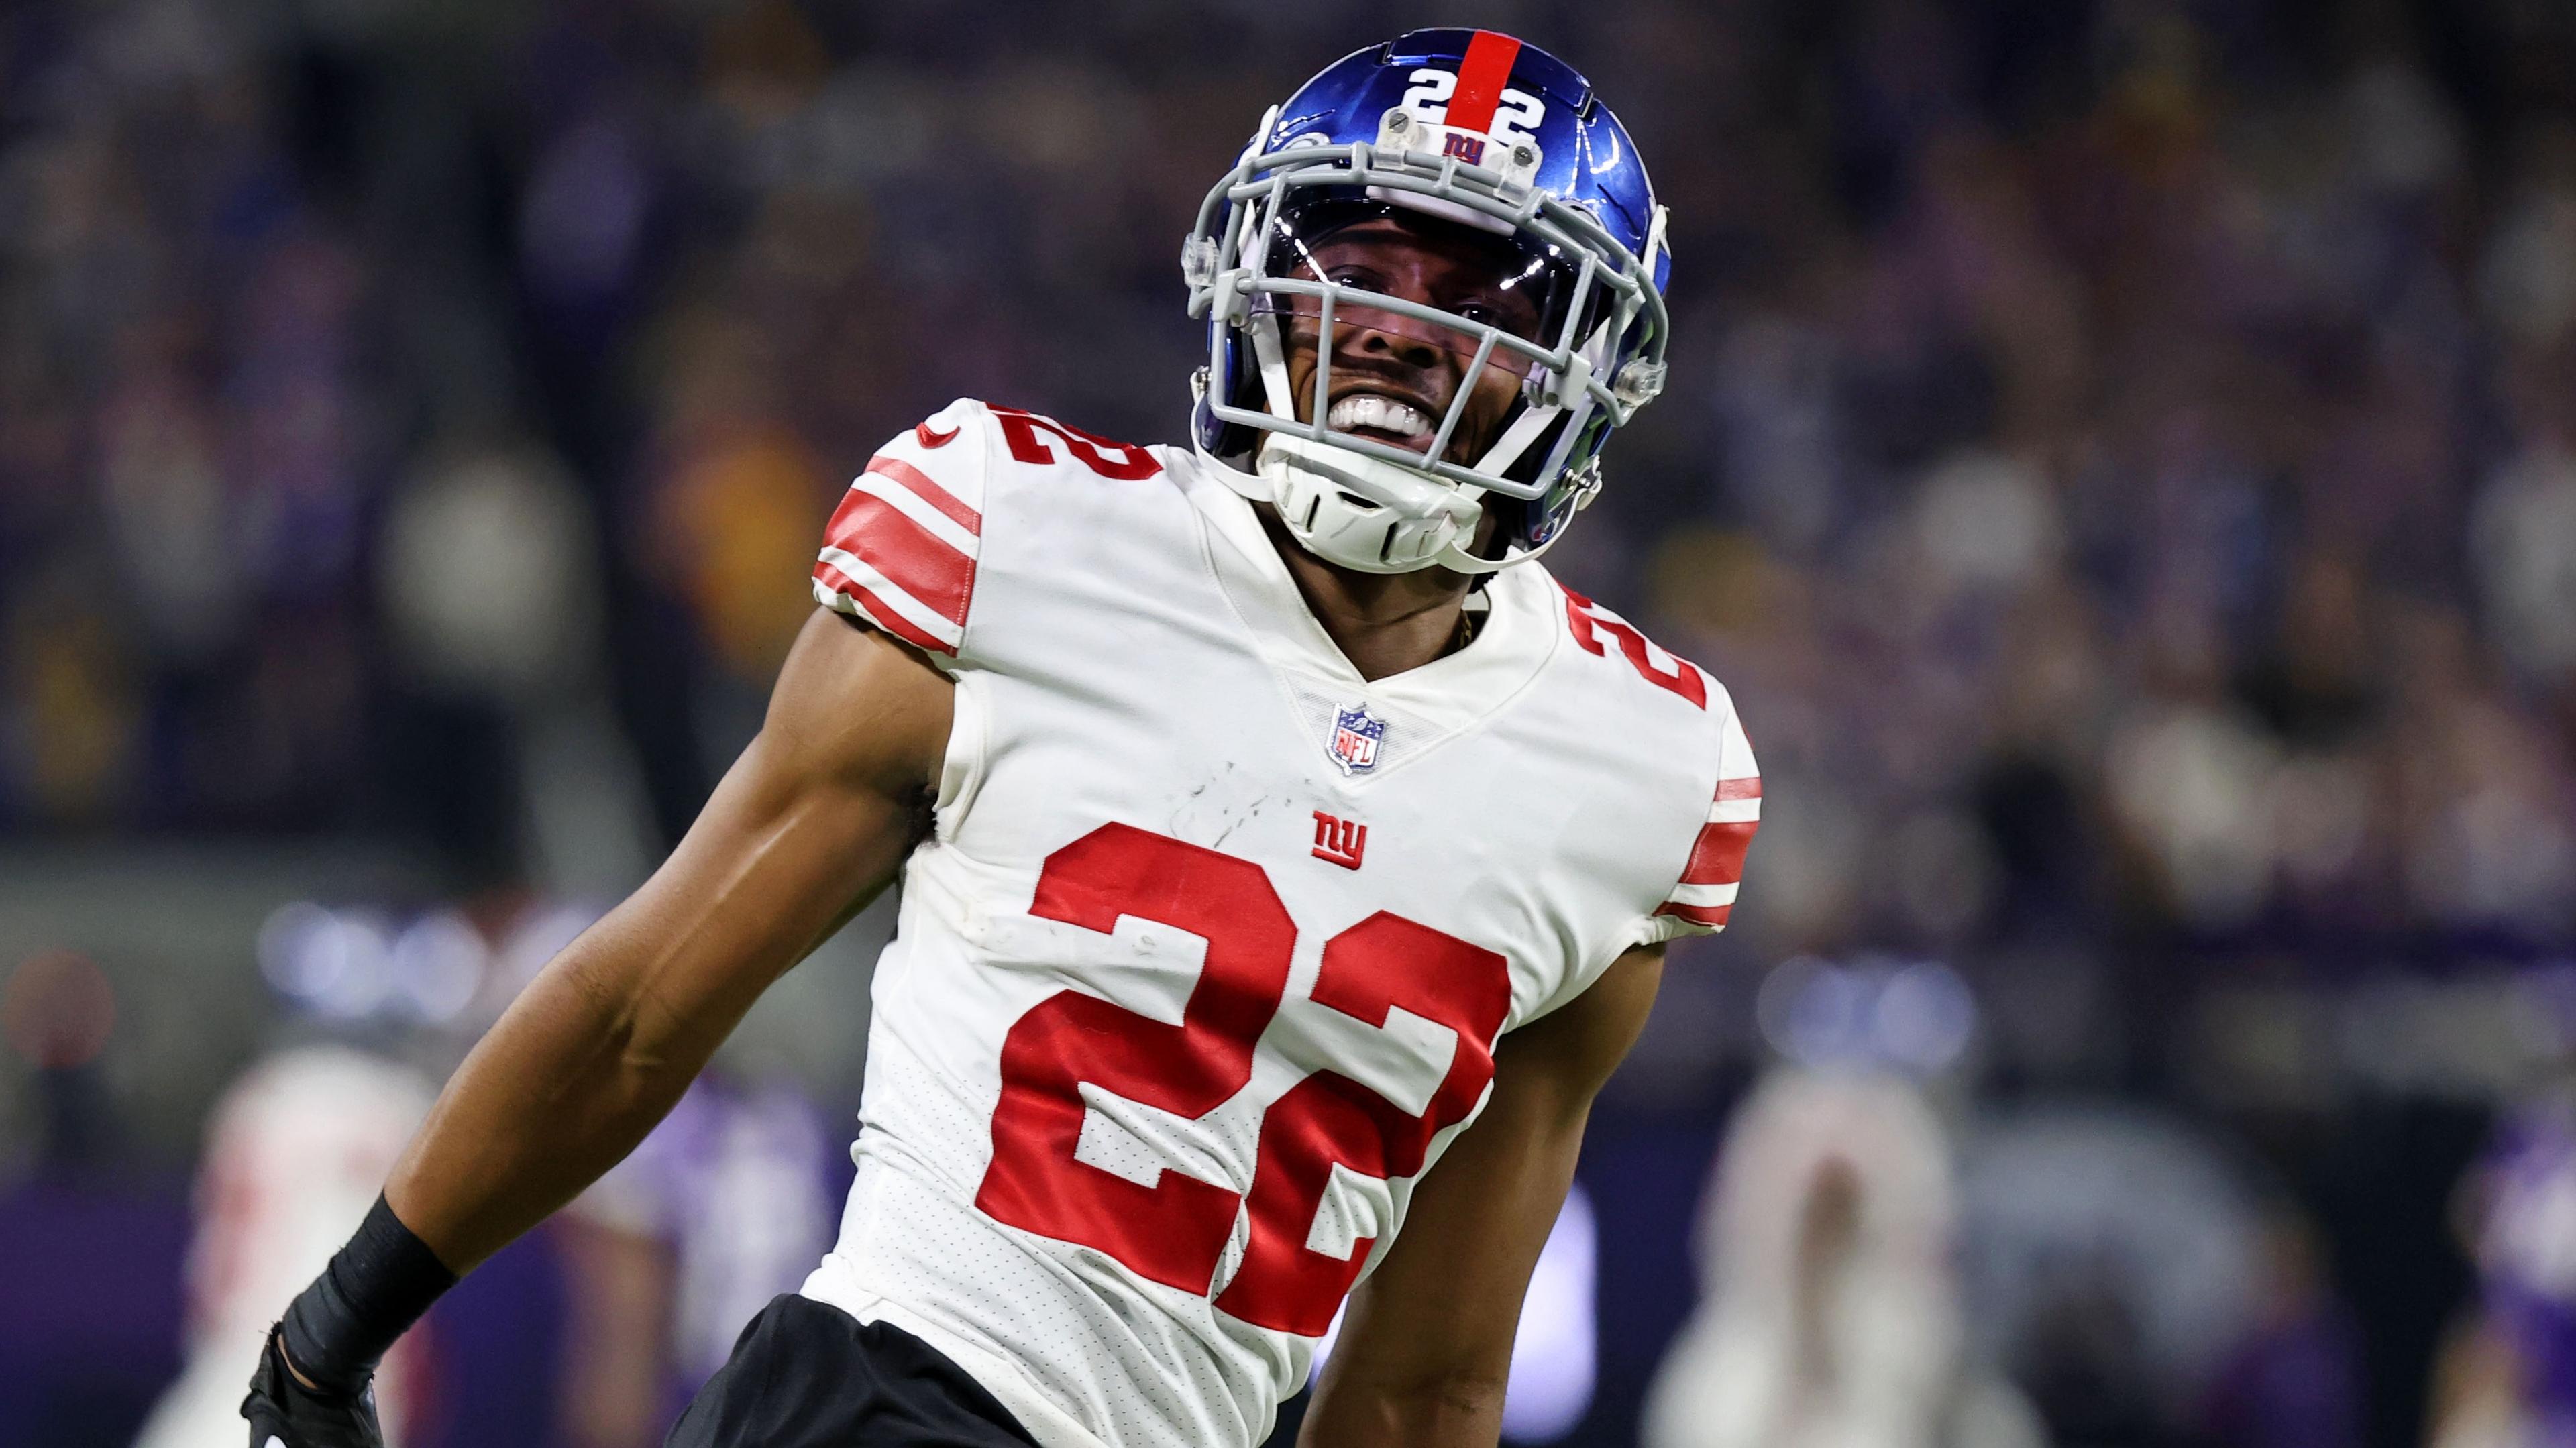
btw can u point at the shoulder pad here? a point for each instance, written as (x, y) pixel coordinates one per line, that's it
(904, 547)
(901, 549)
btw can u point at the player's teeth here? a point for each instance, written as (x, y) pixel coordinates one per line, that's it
(1364, 409)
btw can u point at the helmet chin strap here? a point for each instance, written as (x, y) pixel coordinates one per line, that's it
(1364, 513)
(1459, 560)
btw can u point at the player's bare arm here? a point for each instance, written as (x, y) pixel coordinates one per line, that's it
(1427, 1341)
(808, 825)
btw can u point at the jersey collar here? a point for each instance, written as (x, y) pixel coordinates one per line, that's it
(1448, 694)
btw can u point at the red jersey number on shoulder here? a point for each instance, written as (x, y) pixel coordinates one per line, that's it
(1175, 1231)
(1033, 439)
(1589, 621)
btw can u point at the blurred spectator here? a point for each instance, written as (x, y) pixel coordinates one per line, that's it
(1831, 1316)
(2508, 1379)
(2294, 1379)
(489, 592)
(2112, 1266)
(730, 1201)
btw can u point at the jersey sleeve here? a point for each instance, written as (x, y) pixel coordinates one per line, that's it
(901, 550)
(1705, 895)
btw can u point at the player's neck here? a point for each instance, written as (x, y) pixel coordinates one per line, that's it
(1384, 623)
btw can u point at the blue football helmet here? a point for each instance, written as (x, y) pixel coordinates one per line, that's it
(1503, 151)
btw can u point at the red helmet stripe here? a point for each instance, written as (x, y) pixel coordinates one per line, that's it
(1482, 74)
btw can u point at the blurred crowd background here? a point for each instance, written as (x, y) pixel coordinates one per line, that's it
(2121, 454)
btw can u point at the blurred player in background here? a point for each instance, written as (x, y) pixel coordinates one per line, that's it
(1266, 815)
(296, 1150)
(1831, 1317)
(723, 1207)
(2509, 1380)
(726, 1204)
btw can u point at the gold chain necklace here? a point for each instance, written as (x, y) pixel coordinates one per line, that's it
(1466, 634)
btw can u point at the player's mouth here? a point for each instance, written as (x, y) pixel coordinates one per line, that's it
(1379, 417)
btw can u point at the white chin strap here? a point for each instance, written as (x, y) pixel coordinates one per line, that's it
(1368, 514)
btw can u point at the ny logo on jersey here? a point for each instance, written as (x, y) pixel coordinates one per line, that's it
(1340, 841)
(1356, 737)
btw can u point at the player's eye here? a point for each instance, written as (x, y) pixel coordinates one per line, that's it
(1509, 314)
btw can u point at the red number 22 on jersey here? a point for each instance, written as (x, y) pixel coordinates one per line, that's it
(1175, 1231)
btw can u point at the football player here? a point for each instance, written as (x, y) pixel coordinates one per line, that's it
(1266, 817)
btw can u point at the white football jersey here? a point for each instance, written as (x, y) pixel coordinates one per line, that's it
(1203, 964)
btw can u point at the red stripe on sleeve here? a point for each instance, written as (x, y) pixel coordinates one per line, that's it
(918, 483)
(876, 610)
(909, 555)
(1749, 787)
(1698, 914)
(1482, 74)
(1718, 856)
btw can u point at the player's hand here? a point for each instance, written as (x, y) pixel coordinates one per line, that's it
(284, 1413)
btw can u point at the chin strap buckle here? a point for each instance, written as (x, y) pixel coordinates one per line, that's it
(1638, 383)
(1198, 260)
(1587, 483)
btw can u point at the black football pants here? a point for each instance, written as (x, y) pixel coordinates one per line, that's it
(805, 1374)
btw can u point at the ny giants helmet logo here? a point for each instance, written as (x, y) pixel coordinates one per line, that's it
(1355, 739)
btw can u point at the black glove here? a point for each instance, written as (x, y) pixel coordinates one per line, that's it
(374, 1289)
(284, 1413)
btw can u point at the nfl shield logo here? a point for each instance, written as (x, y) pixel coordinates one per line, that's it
(1355, 739)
